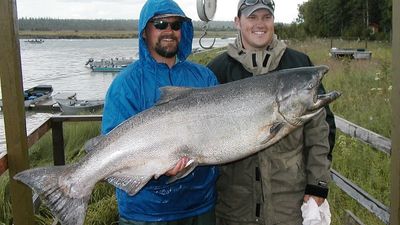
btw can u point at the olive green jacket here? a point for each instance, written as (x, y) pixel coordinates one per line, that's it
(268, 187)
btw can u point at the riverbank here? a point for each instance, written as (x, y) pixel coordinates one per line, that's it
(97, 34)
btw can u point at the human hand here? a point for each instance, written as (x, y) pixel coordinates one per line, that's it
(178, 167)
(318, 200)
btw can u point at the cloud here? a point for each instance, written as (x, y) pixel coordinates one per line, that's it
(78, 9)
(286, 11)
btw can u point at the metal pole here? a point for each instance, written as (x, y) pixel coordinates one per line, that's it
(14, 113)
(395, 157)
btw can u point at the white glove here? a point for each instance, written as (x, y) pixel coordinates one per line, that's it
(314, 215)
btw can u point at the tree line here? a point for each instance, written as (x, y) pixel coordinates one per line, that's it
(50, 24)
(349, 19)
(370, 19)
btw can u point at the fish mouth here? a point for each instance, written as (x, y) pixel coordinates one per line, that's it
(317, 107)
(324, 99)
(320, 100)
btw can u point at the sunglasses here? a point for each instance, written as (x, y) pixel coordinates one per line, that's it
(269, 3)
(162, 25)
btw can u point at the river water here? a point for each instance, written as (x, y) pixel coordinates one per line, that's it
(61, 63)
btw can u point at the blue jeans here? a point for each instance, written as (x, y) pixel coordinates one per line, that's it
(207, 218)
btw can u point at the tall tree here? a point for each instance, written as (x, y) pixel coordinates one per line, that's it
(345, 18)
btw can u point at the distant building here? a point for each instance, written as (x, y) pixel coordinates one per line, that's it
(374, 28)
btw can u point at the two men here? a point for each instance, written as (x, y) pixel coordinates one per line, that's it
(267, 188)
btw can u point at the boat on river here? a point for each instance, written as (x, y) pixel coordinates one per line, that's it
(73, 106)
(108, 65)
(36, 94)
(33, 96)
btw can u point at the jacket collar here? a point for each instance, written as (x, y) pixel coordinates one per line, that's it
(258, 62)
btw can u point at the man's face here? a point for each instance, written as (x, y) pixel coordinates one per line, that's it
(257, 30)
(163, 41)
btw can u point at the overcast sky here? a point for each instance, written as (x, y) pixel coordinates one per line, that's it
(285, 10)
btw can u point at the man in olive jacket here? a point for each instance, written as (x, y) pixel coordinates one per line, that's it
(270, 186)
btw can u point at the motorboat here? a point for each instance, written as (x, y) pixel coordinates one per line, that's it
(33, 96)
(73, 106)
(108, 65)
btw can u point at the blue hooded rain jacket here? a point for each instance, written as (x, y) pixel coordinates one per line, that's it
(135, 89)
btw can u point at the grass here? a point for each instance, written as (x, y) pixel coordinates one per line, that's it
(366, 100)
(5, 205)
(365, 85)
(366, 167)
(366, 95)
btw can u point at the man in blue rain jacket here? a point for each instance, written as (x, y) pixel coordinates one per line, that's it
(165, 41)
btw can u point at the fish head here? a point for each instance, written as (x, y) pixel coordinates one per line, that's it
(298, 97)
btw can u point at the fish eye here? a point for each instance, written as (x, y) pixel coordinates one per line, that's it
(310, 86)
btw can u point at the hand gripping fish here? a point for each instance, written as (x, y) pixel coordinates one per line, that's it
(210, 126)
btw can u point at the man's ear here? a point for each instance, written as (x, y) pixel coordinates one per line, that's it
(237, 23)
(144, 34)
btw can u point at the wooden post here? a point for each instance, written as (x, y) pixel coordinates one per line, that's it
(13, 111)
(58, 143)
(395, 158)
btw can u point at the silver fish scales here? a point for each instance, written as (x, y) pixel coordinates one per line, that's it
(210, 126)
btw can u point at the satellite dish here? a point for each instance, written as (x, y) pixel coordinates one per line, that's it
(206, 9)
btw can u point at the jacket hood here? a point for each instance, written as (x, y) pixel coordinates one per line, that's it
(160, 7)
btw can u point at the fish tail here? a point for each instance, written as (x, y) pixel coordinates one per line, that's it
(44, 181)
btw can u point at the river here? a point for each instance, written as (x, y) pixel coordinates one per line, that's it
(61, 63)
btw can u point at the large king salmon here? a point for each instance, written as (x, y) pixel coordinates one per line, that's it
(210, 126)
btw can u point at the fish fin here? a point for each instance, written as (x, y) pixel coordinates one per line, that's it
(130, 185)
(91, 144)
(169, 93)
(190, 166)
(44, 181)
(273, 131)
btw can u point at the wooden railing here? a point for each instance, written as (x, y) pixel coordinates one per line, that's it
(55, 125)
(377, 141)
(380, 143)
